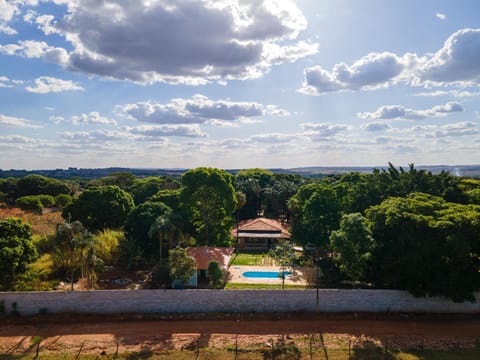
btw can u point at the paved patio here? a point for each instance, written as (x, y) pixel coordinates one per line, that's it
(299, 276)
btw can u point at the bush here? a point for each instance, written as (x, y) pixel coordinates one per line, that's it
(29, 203)
(63, 200)
(46, 200)
(106, 244)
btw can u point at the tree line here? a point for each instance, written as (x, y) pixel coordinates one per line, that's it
(392, 228)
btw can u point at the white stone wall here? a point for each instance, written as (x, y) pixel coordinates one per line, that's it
(230, 301)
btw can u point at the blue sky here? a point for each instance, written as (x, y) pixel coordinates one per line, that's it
(238, 83)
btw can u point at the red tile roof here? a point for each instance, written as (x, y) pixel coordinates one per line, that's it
(261, 226)
(204, 254)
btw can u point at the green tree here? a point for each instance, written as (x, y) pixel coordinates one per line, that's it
(427, 246)
(137, 227)
(283, 254)
(100, 208)
(215, 274)
(316, 209)
(167, 228)
(16, 251)
(144, 189)
(29, 203)
(182, 266)
(353, 245)
(208, 200)
(62, 200)
(38, 184)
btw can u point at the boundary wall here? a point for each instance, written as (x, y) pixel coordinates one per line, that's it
(228, 301)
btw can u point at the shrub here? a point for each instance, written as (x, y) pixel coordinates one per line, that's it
(63, 200)
(30, 203)
(106, 244)
(46, 200)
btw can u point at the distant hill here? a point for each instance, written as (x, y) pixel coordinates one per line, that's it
(314, 171)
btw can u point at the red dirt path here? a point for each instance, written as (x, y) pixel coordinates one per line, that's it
(134, 333)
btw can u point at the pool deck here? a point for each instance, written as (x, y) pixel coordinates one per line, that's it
(236, 271)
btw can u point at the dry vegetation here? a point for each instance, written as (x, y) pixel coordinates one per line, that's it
(42, 225)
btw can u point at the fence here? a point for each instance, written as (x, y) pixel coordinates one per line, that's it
(223, 301)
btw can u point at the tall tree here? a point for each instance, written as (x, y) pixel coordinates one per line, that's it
(16, 251)
(316, 210)
(283, 254)
(100, 208)
(353, 245)
(427, 246)
(208, 200)
(182, 266)
(139, 223)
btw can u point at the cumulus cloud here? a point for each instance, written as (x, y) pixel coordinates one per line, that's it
(47, 84)
(5, 82)
(371, 71)
(96, 136)
(198, 110)
(92, 118)
(375, 126)
(17, 139)
(37, 49)
(322, 131)
(457, 129)
(153, 131)
(400, 112)
(17, 122)
(441, 16)
(457, 63)
(273, 138)
(183, 41)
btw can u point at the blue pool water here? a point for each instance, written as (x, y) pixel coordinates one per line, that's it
(265, 274)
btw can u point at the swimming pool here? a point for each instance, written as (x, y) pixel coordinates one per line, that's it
(265, 274)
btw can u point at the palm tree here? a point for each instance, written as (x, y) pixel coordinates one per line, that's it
(168, 227)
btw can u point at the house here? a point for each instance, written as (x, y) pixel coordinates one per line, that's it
(203, 255)
(260, 234)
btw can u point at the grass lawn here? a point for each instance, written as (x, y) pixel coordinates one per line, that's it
(241, 286)
(252, 259)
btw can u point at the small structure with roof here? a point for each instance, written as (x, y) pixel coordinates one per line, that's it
(203, 255)
(260, 234)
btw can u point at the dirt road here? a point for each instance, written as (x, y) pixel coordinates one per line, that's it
(132, 333)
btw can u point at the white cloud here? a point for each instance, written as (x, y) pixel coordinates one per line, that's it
(322, 131)
(198, 110)
(273, 138)
(375, 126)
(96, 136)
(457, 63)
(454, 93)
(372, 71)
(5, 82)
(17, 139)
(7, 29)
(400, 112)
(183, 41)
(92, 118)
(441, 16)
(37, 49)
(46, 84)
(153, 131)
(17, 122)
(457, 129)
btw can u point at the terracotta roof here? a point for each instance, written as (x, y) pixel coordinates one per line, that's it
(261, 226)
(204, 254)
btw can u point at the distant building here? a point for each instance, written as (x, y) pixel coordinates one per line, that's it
(260, 234)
